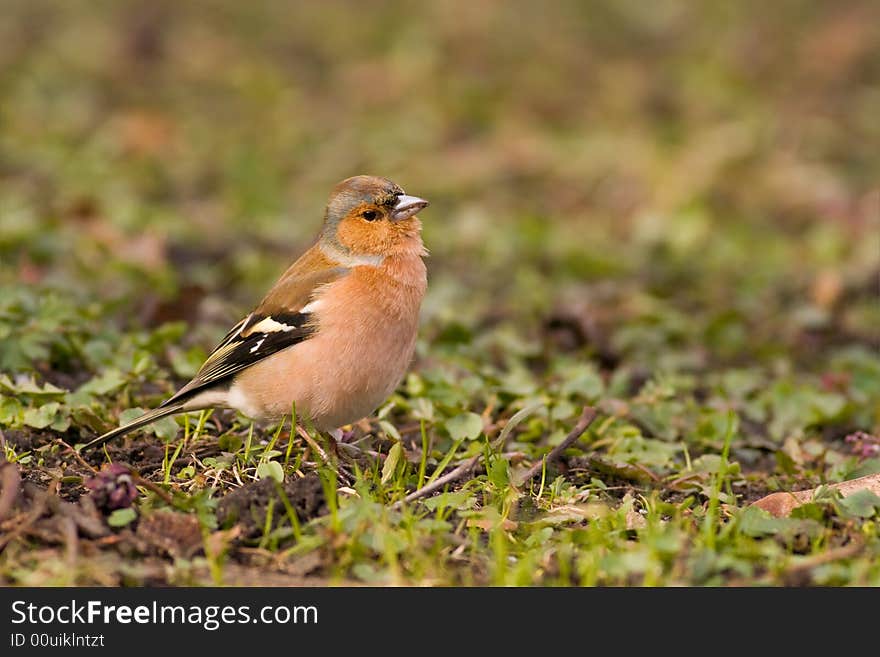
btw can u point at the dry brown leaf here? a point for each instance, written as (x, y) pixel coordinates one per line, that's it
(487, 524)
(826, 288)
(144, 133)
(306, 564)
(178, 534)
(576, 513)
(219, 541)
(10, 479)
(782, 504)
(635, 520)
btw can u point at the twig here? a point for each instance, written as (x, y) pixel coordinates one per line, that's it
(440, 482)
(586, 419)
(835, 554)
(10, 479)
(40, 504)
(71, 541)
(311, 441)
(77, 456)
(85, 515)
(465, 467)
(154, 487)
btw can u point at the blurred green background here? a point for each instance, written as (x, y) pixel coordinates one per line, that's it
(724, 154)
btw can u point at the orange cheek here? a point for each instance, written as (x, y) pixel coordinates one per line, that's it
(363, 237)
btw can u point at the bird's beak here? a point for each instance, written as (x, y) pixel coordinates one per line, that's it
(407, 206)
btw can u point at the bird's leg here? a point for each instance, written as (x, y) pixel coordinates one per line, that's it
(339, 455)
(335, 437)
(341, 460)
(345, 449)
(346, 454)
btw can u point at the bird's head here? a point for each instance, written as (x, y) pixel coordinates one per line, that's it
(369, 216)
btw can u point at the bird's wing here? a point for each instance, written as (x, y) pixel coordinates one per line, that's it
(281, 320)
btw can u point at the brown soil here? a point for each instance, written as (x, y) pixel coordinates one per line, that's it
(247, 506)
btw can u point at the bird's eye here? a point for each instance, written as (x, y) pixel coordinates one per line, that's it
(370, 215)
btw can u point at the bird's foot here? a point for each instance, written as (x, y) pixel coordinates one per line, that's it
(341, 447)
(343, 456)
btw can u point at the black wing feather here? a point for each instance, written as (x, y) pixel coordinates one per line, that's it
(245, 345)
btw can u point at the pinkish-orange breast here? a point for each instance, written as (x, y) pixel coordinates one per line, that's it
(367, 326)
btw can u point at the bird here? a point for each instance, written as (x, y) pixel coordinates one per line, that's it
(334, 336)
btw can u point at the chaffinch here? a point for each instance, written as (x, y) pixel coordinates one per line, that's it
(335, 334)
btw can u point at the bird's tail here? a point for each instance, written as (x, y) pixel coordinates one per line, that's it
(141, 421)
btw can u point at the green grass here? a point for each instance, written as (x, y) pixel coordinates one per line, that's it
(669, 213)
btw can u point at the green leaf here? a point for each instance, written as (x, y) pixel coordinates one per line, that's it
(29, 387)
(862, 504)
(561, 411)
(61, 422)
(41, 416)
(540, 537)
(828, 405)
(757, 522)
(810, 510)
(109, 381)
(272, 470)
(86, 417)
(863, 469)
(391, 462)
(498, 472)
(166, 428)
(583, 381)
(186, 363)
(229, 442)
(460, 500)
(465, 425)
(10, 411)
(130, 414)
(121, 517)
(422, 409)
(518, 417)
(389, 429)
(653, 453)
(143, 363)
